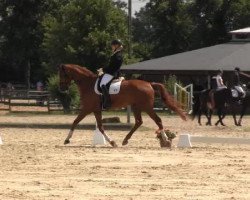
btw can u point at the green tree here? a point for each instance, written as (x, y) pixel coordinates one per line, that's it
(165, 25)
(20, 38)
(81, 32)
(214, 18)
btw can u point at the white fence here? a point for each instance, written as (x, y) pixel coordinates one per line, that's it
(184, 95)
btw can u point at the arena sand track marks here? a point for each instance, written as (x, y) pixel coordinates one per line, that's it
(35, 165)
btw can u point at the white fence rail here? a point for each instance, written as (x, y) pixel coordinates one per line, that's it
(184, 95)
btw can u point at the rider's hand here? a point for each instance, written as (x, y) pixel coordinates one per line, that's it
(100, 71)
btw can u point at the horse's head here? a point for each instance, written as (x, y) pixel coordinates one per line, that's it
(64, 78)
(248, 86)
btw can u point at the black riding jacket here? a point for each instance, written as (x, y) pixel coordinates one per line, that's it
(236, 78)
(115, 64)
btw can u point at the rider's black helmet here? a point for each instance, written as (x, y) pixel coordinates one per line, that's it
(116, 42)
(237, 69)
(220, 71)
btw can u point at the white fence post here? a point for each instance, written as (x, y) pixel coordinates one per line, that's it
(188, 90)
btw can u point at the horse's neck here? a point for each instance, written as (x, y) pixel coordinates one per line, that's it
(86, 84)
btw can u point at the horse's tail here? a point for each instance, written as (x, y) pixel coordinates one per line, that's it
(169, 100)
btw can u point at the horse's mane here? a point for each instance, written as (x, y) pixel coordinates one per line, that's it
(82, 70)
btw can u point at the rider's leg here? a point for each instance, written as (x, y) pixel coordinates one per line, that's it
(105, 80)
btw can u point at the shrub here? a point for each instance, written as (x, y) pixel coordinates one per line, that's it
(69, 99)
(170, 83)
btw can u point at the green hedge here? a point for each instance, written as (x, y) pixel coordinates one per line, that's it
(69, 99)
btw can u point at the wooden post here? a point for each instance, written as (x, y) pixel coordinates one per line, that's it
(129, 28)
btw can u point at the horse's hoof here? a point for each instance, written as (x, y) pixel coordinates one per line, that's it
(66, 142)
(125, 142)
(113, 144)
(223, 124)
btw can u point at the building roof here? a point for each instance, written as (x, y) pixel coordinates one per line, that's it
(240, 31)
(224, 56)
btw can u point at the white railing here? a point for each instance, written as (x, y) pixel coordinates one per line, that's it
(184, 95)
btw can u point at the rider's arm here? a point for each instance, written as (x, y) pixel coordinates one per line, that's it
(244, 74)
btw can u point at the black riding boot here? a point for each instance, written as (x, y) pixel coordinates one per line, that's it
(106, 97)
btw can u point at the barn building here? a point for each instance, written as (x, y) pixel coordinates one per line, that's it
(199, 65)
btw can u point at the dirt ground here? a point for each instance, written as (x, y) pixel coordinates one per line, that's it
(34, 163)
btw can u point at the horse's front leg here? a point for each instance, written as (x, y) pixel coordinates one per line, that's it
(210, 117)
(235, 119)
(98, 116)
(222, 116)
(233, 109)
(79, 118)
(219, 114)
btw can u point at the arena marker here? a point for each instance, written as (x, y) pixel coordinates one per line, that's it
(1, 141)
(98, 138)
(184, 141)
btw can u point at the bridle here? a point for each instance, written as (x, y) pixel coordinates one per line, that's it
(65, 75)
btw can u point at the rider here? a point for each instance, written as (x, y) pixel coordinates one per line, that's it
(217, 84)
(237, 83)
(112, 70)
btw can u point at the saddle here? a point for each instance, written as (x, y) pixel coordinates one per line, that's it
(236, 93)
(113, 86)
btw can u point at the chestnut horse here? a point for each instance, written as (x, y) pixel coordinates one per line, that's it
(137, 93)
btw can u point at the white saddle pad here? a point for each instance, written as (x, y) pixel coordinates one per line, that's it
(114, 87)
(235, 93)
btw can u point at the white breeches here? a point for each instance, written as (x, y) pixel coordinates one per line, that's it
(105, 79)
(240, 90)
(221, 88)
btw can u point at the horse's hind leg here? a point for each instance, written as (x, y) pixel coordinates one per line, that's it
(98, 116)
(79, 118)
(243, 111)
(138, 123)
(156, 119)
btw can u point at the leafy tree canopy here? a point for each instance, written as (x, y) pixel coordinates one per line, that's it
(81, 32)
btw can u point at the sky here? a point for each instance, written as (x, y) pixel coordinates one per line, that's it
(137, 4)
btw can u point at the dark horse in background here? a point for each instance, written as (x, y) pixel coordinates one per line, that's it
(200, 100)
(245, 104)
(223, 100)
